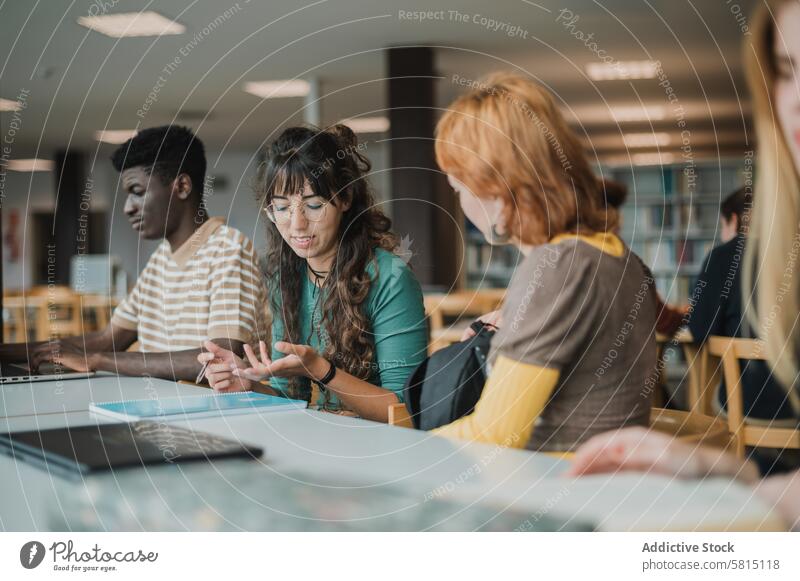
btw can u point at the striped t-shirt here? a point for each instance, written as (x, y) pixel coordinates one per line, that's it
(209, 288)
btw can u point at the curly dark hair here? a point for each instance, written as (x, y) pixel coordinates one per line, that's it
(331, 164)
(166, 152)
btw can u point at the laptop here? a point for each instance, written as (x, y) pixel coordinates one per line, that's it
(21, 373)
(84, 450)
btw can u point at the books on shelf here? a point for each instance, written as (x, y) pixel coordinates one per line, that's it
(671, 217)
(673, 289)
(487, 264)
(673, 255)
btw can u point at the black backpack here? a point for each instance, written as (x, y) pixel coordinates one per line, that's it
(448, 384)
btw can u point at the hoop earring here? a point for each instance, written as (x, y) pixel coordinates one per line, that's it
(498, 237)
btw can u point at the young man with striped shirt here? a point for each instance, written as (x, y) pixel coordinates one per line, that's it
(202, 283)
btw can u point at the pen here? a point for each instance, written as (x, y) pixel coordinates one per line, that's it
(202, 372)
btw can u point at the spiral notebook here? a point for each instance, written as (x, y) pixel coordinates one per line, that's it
(195, 406)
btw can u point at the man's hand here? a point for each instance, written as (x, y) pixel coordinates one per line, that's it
(56, 351)
(75, 360)
(45, 353)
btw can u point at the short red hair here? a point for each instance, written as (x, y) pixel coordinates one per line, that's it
(506, 138)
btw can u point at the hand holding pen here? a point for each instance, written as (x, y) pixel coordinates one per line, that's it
(217, 364)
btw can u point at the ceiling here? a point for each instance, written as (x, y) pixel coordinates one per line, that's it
(78, 81)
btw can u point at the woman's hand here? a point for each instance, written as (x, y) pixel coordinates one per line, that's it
(637, 449)
(220, 371)
(300, 360)
(495, 319)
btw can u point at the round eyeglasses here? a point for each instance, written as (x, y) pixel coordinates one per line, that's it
(280, 212)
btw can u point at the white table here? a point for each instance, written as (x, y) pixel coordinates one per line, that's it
(323, 471)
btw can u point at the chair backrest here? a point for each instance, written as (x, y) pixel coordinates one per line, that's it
(59, 315)
(730, 351)
(459, 304)
(14, 322)
(690, 427)
(701, 377)
(399, 416)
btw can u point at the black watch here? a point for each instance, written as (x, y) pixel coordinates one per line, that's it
(324, 381)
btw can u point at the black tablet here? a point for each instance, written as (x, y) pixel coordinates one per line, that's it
(87, 449)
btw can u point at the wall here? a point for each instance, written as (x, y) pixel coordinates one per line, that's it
(26, 193)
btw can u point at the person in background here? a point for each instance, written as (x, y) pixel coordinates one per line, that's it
(734, 215)
(569, 360)
(771, 55)
(717, 310)
(348, 312)
(201, 283)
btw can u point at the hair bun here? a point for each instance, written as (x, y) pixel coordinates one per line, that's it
(615, 192)
(344, 135)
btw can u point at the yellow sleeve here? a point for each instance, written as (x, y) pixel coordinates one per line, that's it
(514, 396)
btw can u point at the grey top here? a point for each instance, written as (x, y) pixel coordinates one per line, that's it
(590, 314)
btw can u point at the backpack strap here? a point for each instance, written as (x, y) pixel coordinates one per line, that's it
(413, 392)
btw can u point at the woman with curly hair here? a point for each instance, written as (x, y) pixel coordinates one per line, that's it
(348, 313)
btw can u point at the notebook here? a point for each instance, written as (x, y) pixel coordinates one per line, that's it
(196, 406)
(78, 451)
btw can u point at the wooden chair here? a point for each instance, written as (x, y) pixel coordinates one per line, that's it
(690, 427)
(459, 304)
(731, 350)
(99, 308)
(58, 311)
(685, 426)
(660, 395)
(702, 374)
(15, 328)
(399, 416)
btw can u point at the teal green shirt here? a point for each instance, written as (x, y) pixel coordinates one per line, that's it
(396, 311)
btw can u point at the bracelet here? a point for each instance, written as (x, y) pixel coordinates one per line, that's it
(328, 376)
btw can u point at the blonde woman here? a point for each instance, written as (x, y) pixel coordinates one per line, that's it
(772, 56)
(576, 353)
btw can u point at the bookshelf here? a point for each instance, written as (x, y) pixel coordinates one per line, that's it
(671, 217)
(487, 266)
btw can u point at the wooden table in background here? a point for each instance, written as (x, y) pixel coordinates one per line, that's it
(30, 314)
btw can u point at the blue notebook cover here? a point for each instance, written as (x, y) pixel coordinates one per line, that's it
(196, 406)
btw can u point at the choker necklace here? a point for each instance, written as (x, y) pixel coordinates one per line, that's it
(319, 275)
